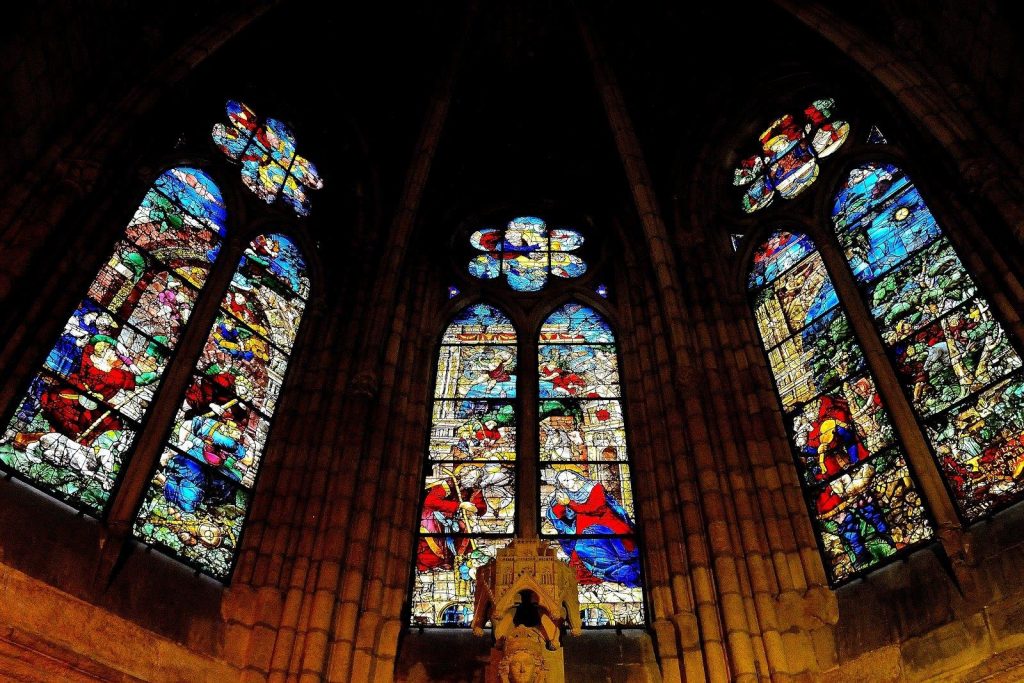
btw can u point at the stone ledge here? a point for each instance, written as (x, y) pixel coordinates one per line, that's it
(48, 630)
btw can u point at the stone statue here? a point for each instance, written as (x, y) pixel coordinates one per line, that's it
(529, 596)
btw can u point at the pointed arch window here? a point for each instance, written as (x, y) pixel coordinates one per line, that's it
(960, 371)
(468, 510)
(584, 501)
(569, 485)
(72, 432)
(199, 497)
(586, 492)
(861, 493)
(73, 429)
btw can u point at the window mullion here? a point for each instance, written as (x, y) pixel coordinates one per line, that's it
(175, 380)
(527, 499)
(918, 453)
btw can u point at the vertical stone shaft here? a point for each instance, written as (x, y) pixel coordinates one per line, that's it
(398, 550)
(682, 439)
(528, 433)
(669, 565)
(326, 485)
(330, 489)
(393, 516)
(736, 473)
(278, 562)
(703, 435)
(373, 514)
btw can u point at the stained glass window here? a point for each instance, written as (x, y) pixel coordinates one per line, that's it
(786, 163)
(586, 494)
(865, 503)
(468, 506)
(266, 151)
(196, 505)
(961, 373)
(72, 430)
(525, 252)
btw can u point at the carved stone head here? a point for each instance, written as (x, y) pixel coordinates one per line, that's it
(524, 657)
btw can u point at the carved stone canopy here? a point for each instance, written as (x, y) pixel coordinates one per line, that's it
(527, 578)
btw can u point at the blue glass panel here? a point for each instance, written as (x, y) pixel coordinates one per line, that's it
(777, 255)
(576, 323)
(195, 192)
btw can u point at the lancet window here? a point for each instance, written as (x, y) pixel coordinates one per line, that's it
(959, 369)
(74, 431)
(570, 484)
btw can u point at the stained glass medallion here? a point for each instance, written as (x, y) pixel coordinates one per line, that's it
(586, 494)
(525, 252)
(197, 502)
(863, 496)
(468, 508)
(786, 163)
(266, 151)
(956, 363)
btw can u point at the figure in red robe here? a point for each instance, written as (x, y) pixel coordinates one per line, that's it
(833, 442)
(581, 507)
(446, 511)
(215, 393)
(78, 412)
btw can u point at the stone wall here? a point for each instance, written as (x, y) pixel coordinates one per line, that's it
(735, 586)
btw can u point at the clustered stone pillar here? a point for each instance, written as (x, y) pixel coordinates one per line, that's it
(330, 585)
(748, 547)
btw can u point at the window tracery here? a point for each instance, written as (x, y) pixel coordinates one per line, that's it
(270, 166)
(787, 162)
(958, 368)
(576, 474)
(525, 252)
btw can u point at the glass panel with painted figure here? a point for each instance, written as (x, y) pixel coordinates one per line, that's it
(864, 498)
(73, 429)
(950, 351)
